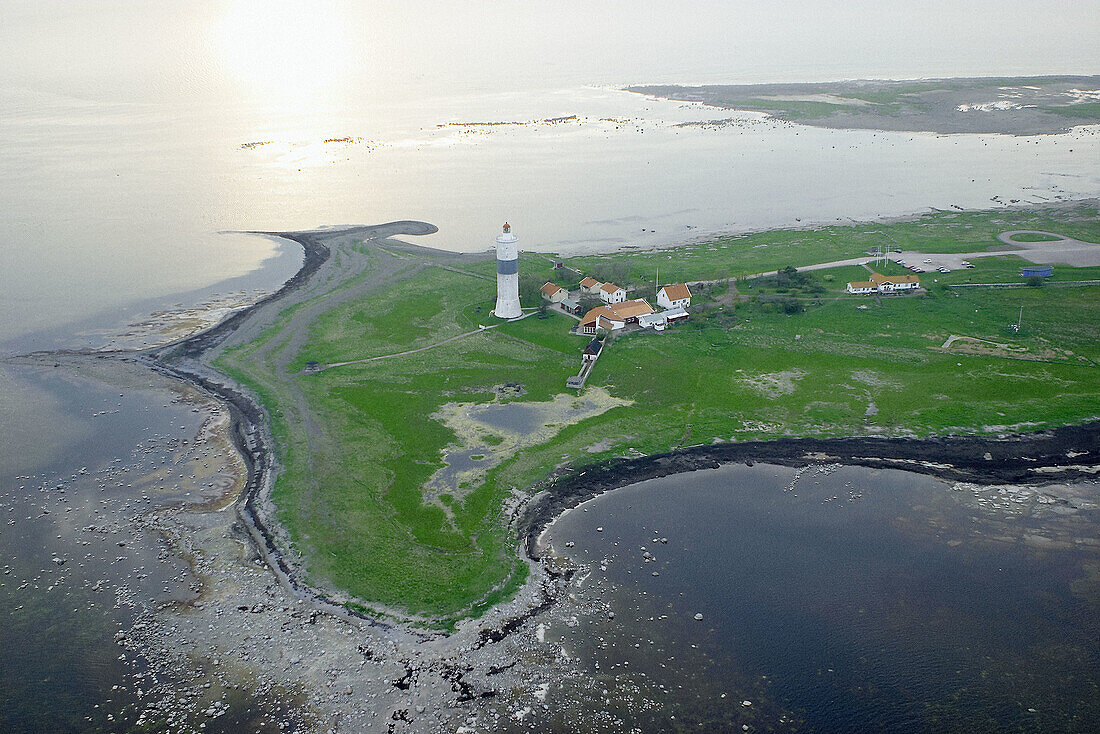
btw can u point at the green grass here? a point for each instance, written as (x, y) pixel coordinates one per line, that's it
(1085, 110)
(939, 232)
(796, 109)
(1006, 269)
(1033, 237)
(357, 443)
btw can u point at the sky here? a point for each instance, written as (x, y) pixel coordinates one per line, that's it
(147, 50)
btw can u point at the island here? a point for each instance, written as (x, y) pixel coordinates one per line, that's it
(1012, 105)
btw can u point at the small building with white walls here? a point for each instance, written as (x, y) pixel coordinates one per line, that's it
(554, 293)
(861, 286)
(675, 314)
(676, 295)
(611, 293)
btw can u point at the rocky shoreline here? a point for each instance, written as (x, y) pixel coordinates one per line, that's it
(1067, 454)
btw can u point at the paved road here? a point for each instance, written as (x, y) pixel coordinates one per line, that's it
(1064, 250)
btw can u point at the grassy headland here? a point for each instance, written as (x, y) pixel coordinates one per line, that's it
(358, 443)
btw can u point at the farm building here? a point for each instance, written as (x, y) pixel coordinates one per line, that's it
(630, 311)
(554, 293)
(569, 305)
(674, 296)
(611, 293)
(590, 286)
(652, 320)
(600, 317)
(1040, 271)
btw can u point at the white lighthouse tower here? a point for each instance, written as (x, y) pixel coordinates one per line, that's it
(508, 275)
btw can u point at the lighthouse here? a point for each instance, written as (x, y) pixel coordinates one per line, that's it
(508, 275)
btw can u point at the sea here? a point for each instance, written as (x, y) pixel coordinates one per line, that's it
(832, 599)
(141, 143)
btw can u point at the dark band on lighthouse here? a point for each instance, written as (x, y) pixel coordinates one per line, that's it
(507, 267)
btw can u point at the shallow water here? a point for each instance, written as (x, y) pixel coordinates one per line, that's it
(85, 462)
(844, 600)
(120, 205)
(513, 417)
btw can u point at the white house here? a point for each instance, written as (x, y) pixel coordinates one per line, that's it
(884, 284)
(674, 296)
(611, 293)
(861, 286)
(554, 293)
(891, 283)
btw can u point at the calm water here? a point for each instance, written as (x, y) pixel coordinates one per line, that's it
(115, 205)
(76, 565)
(846, 600)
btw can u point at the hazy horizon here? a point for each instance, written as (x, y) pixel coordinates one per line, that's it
(124, 50)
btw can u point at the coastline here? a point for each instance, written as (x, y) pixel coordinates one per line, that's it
(470, 662)
(951, 458)
(1041, 458)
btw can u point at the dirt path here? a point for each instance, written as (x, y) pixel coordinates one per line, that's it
(422, 349)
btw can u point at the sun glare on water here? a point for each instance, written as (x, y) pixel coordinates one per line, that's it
(285, 51)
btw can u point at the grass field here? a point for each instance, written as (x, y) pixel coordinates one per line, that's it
(1032, 237)
(947, 232)
(357, 443)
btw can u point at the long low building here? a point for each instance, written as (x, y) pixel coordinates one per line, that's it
(879, 283)
(614, 316)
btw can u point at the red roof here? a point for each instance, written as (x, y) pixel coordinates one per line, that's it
(677, 292)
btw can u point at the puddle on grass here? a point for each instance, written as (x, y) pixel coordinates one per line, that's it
(495, 431)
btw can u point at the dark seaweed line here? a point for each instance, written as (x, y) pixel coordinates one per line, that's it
(247, 416)
(951, 458)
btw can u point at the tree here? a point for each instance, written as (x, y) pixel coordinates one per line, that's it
(792, 305)
(1034, 281)
(784, 276)
(611, 272)
(530, 290)
(588, 302)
